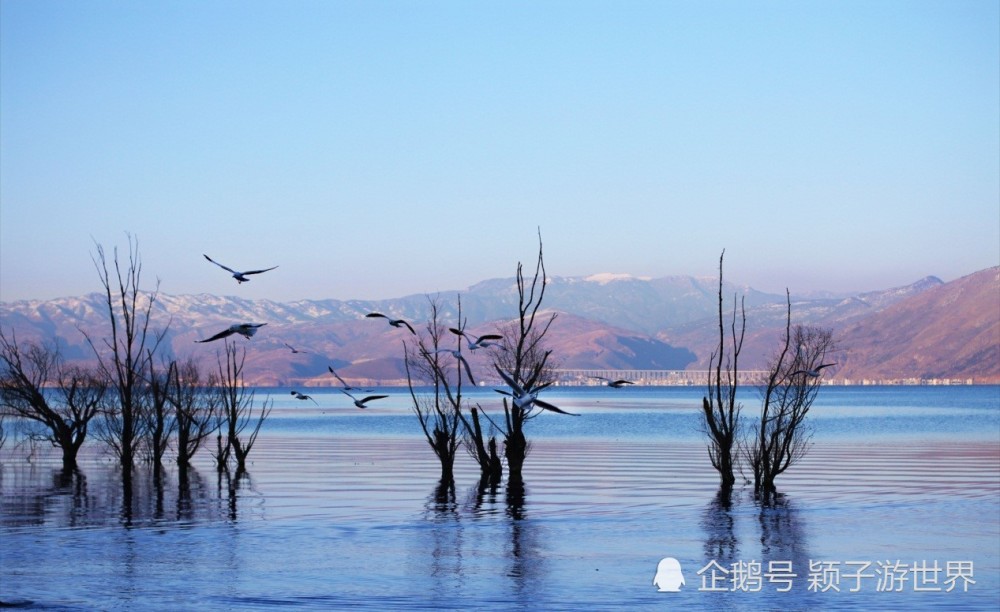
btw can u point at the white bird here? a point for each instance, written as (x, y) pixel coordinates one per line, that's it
(617, 384)
(393, 322)
(524, 399)
(478, 342)
(241, 277)
(244, 329)
(814, 373)
(302, 396)
(360, 403)
(457, 354)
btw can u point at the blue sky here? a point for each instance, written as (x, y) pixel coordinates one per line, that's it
(379, 149)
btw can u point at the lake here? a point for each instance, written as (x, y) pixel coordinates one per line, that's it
(896, 506)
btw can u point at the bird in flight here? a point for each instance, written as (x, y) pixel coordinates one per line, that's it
(393, 322)
(523, 398)
(293, 349)
(457, 355)
(244, 329)
(302, 396)
(814, 373)
(617, 384)
(360, 403)
(478, 342)
(241, 277)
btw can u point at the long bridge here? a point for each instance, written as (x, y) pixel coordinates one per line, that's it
(683, 378)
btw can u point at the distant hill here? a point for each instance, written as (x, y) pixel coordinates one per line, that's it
(926, 329)
(948, 331)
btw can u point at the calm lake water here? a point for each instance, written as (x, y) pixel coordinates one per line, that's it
(896, 506)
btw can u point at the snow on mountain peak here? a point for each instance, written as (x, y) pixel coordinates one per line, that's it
(608, 277)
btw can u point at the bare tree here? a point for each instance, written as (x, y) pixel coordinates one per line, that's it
(124, 358)
(782, 435)
(194, 407)
(439, 412)
(159, 421)
(525, 361)
(37, 386)
(720, 409)
(237, 409)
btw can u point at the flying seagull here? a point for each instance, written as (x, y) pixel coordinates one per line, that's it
(302, 396)
(393, 322)
(524, 399)
(293, 349)
(812, 373)
(244, 329)
(360, 403)
(617, 384)
(457, 355)
(478, 342)
(241, 277)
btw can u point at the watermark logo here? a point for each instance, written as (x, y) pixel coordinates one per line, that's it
(669, 578)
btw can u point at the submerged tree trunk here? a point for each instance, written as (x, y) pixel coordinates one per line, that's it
(720, 409)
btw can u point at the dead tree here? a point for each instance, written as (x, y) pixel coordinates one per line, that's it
(481, 448)
(437, 412)
(720, 409)
(194, 408)
(782, 435)
(37, 386)
(237, 409)
(526, 361)
(159, 421)
(124, 357)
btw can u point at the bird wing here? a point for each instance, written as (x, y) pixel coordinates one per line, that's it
(227, 268)
(468, 370)
(825, 365)
(222, 334)
(489, 337)
(516, 388)
(455, 331)
(337, 376)
(376, 314)
(619, 383)
(548, 406)
(408, 326)
(369, 398)
(259, 271)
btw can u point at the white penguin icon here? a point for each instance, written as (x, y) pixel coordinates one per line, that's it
(669, 578)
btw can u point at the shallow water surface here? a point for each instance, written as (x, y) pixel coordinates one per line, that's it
(342, 508)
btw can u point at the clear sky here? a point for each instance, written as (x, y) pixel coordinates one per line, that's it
(379, 149)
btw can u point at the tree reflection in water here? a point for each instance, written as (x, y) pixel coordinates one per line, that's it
(98, 496)
(721, 543)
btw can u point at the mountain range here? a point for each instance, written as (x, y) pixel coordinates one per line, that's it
(926, 330)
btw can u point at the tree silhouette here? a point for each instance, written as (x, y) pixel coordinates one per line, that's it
(720, 409)
(237, 409)
(781, 436)
(194, 409)
(35, 384)
(438, 412)
(124, 357)
(525, 361)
